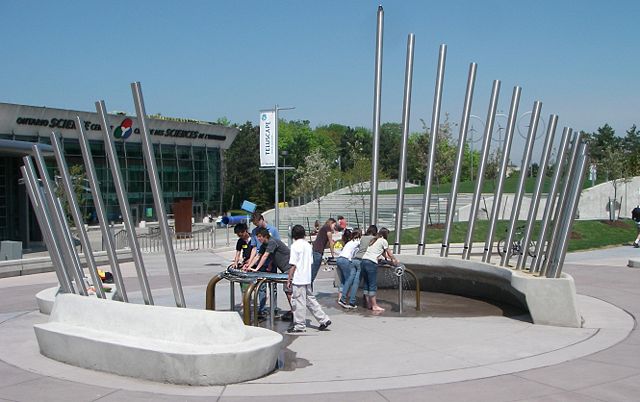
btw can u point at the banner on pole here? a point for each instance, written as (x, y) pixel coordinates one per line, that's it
(267, 139)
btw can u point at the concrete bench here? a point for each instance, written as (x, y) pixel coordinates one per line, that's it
(165, 344)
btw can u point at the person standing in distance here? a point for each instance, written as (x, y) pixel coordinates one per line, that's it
(299, 280)
(323, 240)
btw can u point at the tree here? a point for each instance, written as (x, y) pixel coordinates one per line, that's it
(604, 138)
(313, 176)
(631, 148)
(617, 173)
(78, 179)
(243, 178)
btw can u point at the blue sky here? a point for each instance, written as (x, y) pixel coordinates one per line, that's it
(207, 59)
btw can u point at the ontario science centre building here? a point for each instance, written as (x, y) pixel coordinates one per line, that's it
(188, 155)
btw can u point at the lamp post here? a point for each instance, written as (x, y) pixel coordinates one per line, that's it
(284, 175)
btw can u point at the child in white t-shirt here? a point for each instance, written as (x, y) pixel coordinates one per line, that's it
(299, 280)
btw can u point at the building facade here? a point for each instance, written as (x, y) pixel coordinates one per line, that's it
(188, 155)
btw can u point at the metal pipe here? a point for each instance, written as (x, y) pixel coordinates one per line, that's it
(377, 101)
(570, 212)
(537, 190)
(77, 216)
(524, 166)
(123, 200)
(455, 181)
(44, 220)
(433, 138)
(158, 200)
(561, 205)
(511, 122)
(560, 215)
(69, 256)
(406, 113)
(107, 236)
(486, 144)
(551, 198)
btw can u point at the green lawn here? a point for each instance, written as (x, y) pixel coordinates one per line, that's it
(585, 235)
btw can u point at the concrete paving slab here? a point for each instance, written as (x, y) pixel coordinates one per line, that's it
(10, 375)
(578, 375)
(627, 389)
(53, 390)
(503, 388)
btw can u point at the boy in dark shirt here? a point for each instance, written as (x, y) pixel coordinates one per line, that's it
(243, 245)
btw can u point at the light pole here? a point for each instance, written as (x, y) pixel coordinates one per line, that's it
(284, 175)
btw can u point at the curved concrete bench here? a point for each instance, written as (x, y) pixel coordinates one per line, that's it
(549, 301)
(166, 344)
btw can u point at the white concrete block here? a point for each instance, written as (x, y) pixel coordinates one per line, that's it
(165, 344)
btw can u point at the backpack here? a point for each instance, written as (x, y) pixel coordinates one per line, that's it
(635, 214)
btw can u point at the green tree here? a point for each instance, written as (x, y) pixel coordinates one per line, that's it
(78, 181)
(243, 178)
(390, 144)
(313, 176)
(631, 149)
(599, 142)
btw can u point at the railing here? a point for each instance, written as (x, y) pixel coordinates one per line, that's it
(202, 237)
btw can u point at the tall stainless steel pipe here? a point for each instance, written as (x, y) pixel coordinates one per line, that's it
(65, 177)
(406, 114)
(158, 200)
(462, 139)
(377, 101)
(520, 190)
(506, 149)
(537, 190)
(60, 228)
(560, 215)
(96, 194)
(486, 144)
(46, 226)
(123, 200)
(551, 199)
(433, 138)
(570, 212)
(561, 204)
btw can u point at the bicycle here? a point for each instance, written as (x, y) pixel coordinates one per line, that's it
(516, 244)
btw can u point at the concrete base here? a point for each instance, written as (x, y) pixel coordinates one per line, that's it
(164, 344)
(549, 301)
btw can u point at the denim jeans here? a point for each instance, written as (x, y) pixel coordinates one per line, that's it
(344, 270)
(350, 284)
(315, 267)
(370, 272)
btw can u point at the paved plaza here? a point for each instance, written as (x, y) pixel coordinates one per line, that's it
(457, 350)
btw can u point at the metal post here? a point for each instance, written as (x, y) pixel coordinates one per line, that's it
(464, 125)
(561, 204)
(535, 198)
(158, 200)
(433, 138)
(44, 220)
(406, 112)
(551, 198)
(77, 216)
(373, 205)
(486, 144)
(570, 212)
(275, 138)
(69, 254)
(511, 123)
(107, 236)
(121, 192)
(524, 166)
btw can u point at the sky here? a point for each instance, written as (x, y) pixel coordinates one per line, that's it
(212, 59)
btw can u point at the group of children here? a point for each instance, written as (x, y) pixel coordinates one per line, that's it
(262, 250)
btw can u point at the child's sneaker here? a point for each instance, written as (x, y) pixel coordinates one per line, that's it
(353, 306)
(635, 244)
(323, 327)
(343, 304)
(294, 331)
